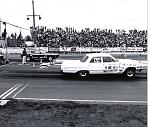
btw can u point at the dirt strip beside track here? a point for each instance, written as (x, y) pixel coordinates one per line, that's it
(25, 113)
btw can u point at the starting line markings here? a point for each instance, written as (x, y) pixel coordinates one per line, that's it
(20, 91)
(8, 92)
(3, 97)
(13, 89)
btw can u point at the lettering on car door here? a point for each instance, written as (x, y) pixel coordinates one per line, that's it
(109, 65)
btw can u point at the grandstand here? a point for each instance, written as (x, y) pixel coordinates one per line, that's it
(101, 38)
(86, 40)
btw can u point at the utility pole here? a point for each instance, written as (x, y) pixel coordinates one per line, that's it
(33, 14)
(33, 28)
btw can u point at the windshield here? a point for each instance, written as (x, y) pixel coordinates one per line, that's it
(83, 59)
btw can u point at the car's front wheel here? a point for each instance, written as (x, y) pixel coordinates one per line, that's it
(82, 73)
(130, 73)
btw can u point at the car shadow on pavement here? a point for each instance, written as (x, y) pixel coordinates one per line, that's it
(108, 77)
(70, 77)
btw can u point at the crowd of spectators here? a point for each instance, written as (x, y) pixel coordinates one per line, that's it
(69, 37)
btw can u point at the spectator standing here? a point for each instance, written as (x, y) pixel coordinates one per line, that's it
(24, 54)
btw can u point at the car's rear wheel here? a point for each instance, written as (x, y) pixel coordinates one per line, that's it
(82, 73)
(130, 73)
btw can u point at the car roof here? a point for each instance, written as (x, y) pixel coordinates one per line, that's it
(98, 54)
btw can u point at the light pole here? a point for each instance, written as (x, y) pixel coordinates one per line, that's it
(33, 15)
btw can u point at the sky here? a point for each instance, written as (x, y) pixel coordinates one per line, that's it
(80, 14)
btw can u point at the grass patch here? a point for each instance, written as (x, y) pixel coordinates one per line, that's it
(19, 113)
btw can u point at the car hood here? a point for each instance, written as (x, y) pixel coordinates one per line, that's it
(128, 61)
(125, 60)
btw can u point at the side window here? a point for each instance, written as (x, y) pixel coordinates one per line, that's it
(108, 59)
(95, 60)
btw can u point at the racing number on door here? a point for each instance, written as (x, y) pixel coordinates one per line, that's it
(110, 68)
(109, 64)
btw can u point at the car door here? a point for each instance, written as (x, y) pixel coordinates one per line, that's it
(95, 65)
(110, 65)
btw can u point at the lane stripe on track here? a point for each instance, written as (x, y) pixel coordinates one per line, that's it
(91, 101)
(20, 90)
(8, 91)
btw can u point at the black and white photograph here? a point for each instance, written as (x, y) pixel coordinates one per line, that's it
(73, 63)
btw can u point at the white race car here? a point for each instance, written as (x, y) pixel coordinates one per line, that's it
(101, 63)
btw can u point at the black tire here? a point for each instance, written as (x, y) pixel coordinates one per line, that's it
(6, 61)
(129, 73)
(83, 73)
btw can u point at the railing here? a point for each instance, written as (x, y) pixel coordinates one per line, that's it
(77, 49)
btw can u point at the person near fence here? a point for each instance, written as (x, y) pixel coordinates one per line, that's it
(24, 55)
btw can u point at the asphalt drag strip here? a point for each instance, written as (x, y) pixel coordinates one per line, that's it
(36, 112)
